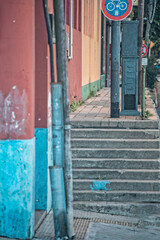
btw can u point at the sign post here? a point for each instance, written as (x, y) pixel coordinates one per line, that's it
(115, 11)
(144, 64)
(144, 50)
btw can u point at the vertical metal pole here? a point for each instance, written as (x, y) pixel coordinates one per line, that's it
(50, 40)
(58, 201)
(57, 125)
(115, 69)
(143, 102)
(140, 41)
(63, 78)
(56, 172)
(71, 31)
(107, 73)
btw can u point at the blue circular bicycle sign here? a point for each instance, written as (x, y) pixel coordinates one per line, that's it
(116, 9)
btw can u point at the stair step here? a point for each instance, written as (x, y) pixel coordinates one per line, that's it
(115, 153)
(131, 209)
(117, 196)
(120, 124)
(115, 133)
(115, 163)
(114, 143)
(107, 174)
(113, 185)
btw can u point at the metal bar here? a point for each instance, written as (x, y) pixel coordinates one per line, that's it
(63, 78)
(58, 201)
(140, 41)
(143, 102)
(50, 40)
(71, 31)
(57, 125)
(107, 75)
(115, 69)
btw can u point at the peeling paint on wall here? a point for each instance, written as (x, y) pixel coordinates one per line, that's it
(13, 112)
(49, 110)
(17, 188)
(101, 185)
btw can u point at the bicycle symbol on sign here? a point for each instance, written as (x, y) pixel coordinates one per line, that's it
(116, 7)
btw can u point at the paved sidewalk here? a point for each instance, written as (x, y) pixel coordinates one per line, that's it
(97, 226)
(98, 108)
(102, 231)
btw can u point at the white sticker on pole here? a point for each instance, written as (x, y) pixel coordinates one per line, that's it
(144, 61)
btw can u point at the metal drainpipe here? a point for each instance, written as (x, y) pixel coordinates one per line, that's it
(48, 24)
(71, 31)
(56, 171)
(63, 78)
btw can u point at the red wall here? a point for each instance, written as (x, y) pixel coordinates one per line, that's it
(75, 65)
(43, 79)
(17, 69)
(42, 83)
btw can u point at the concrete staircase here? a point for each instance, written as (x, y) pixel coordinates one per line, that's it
(116, 168)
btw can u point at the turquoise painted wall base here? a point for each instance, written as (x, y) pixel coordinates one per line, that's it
(92, 87)
(43, 161)
(17, 188)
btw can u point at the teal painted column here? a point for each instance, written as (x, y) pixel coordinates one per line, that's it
(17, 113)
(44, 159)
(43, 129)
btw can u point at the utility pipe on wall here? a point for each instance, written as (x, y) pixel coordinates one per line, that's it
(71, 31)
(62, 76)
(58, 199)
(56, 171)
(50, 40)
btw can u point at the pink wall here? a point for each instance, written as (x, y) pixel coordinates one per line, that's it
(75, 65)
(42, 59)
(42, 86)
(17, 69)
(43, 79)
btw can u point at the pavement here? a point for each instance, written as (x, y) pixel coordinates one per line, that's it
(99, 231)
(97, 108)
(96, 226)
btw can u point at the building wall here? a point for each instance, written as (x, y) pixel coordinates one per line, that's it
(91, 47)
(17, 110)
(43, 133)
(75, 64)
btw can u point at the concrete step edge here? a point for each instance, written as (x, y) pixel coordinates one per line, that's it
(116, 170)
(117, 181)
(118, 149)
(116, 192)
(115, 159)
(114, 140)
(115, 203)
(122, 124)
